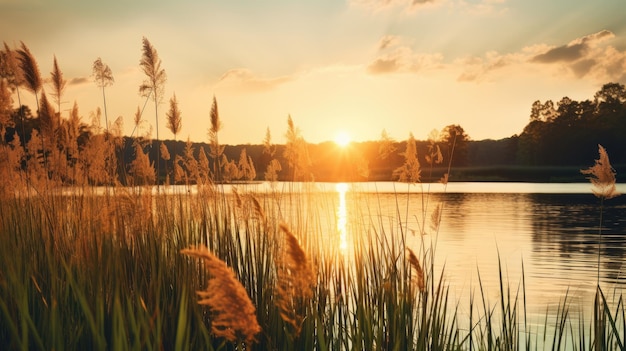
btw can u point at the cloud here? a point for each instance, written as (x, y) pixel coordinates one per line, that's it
(584, 57)
(422, 2)
(573, 51)
(388, 41)
(394, 56)
(484, 7)
(383, 5)
(587, 56)
(246, 79)
(412, 6)
(79, 81)
(480, 68)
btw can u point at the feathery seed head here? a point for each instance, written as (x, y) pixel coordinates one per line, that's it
(233, 314)
(294, 281)
(419, 272)
(602, 176)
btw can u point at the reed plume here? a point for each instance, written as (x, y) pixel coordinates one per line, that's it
(419, 272)
(58, 84)
(602, 176)
(5, 109)
(434, 155)
(29, 70)
(174, 119)
(216, 150)
(386, 145)
(233, 314)
(10, 69)
(271, 173)
(191, 167)
(48, 119)
(295, 279)
(258, 209)
(103, 77)
(204, 171)
(410, 171)
(268, 148)
(435, 218)
(297, 153)
(154, 84)
(165, 153)
(141, 168)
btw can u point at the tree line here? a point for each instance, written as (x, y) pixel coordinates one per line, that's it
(48, 147)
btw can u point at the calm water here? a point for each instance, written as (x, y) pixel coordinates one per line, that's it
(551, 230)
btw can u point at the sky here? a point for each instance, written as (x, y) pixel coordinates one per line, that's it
(351, 66)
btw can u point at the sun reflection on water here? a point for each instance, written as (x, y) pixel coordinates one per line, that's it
(342, 216)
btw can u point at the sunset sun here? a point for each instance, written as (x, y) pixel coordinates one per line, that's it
(342, 139)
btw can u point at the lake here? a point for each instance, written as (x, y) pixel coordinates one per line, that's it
(547, 233)
(551, 230)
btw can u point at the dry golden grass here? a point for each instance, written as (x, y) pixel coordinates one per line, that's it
(258, 209)
(295, 279)
(233, 316)
(418, 271)
(435, 218)
(410, 171)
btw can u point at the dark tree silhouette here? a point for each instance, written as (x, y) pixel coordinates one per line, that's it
(454, 144)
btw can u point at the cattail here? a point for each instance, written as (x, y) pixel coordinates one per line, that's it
(294, 281)
(602, 176)
(419, 272)
(233, 314)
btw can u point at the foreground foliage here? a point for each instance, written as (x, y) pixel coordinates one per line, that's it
(102, 268)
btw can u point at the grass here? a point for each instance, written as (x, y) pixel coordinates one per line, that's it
(105, 271)
(130, 268)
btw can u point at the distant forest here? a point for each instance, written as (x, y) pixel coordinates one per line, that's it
(560, 139)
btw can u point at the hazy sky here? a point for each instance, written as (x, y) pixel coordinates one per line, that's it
(355, 65)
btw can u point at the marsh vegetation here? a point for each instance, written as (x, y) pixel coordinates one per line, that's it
(137, 263)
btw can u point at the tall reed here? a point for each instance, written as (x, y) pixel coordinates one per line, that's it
(92, 269)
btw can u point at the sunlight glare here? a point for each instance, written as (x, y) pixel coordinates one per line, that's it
(342, 139)
(342, 216)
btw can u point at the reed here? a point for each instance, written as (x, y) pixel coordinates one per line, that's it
(100, 270)
(233, 315)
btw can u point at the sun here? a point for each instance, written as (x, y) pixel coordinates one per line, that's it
(342, 139)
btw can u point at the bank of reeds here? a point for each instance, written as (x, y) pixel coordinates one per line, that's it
(104, 270)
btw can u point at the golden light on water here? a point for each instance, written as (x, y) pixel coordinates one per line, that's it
(342, 216)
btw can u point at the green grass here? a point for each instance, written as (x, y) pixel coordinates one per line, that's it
(104, 272)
